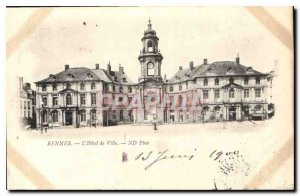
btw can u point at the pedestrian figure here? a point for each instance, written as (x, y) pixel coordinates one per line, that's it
(154, 126)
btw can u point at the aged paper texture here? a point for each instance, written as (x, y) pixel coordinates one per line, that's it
(150, 98)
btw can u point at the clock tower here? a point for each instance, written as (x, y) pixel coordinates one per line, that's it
(150, 57)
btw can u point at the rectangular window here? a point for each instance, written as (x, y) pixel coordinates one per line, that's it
(246, 93)
(83, 115)
(54, 101)
(205, 82)
(24, 104)
(44, 87)
(205, 94)
(93, 99)
(93, 86)
(257, 80)
(231, 93)
(180, 87)
(28, 113)
(29, 105)
(171, 88)
(217, 94)
(257, 93)
(246, 81)
(82, 99)
(44, 100)
(54, 87)
(55, 116)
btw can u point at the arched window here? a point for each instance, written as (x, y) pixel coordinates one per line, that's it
(231, 80)
(69, 99)
(231, 93)
(217, 81)
(55, 116)
(93, 85)
(81, 86)
(150, 46)
(205, 82)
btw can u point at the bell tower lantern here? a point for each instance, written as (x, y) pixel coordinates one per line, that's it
(150, 57)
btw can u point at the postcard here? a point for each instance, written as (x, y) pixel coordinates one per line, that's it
(150, 98)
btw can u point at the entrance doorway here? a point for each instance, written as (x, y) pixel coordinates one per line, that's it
(69, 118)
(232, 114)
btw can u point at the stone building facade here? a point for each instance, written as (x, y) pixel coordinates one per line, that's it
(218, 91)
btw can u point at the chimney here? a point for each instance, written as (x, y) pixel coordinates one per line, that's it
(97, 66)
(237, 60)
(191, 65)
(180, 67)
(205, 61)
(108, 67)
(20, 83)
(121, 69)
(67, 67)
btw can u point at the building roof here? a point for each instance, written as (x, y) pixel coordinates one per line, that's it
(71, 74)
(220, 68)
(118, 77)
(86, 74)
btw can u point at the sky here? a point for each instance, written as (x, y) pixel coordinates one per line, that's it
(83, 37)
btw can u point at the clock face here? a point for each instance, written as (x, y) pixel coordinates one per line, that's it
(150, 65)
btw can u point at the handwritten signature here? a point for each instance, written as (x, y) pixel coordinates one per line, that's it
(162, 155)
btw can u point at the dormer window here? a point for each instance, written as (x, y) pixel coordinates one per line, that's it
(229, 69)
(89, 75)
(249, 69)
(124, 80)
(115, 79)
(70, 76)
(177, 78)
(209, 70)
(81, 86)
(52, 76)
